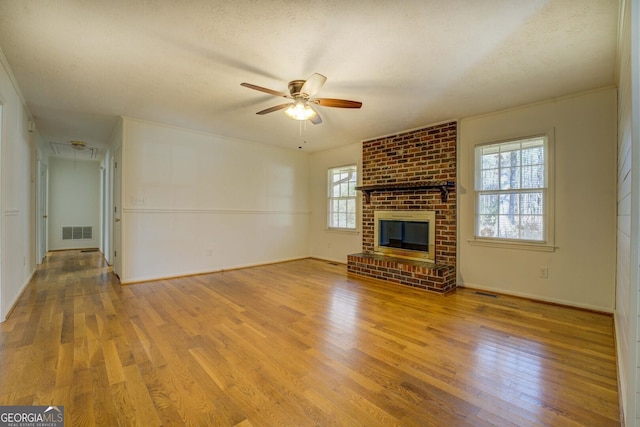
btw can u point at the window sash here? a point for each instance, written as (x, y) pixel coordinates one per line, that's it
(509, 165)
(342, 197)
(511, 182)
(512, 215)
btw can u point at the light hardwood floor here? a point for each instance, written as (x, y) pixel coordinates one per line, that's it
(299, 344)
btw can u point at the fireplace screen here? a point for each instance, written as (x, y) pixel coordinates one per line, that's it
(407, 234)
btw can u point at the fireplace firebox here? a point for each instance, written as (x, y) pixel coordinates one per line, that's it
(405, 234)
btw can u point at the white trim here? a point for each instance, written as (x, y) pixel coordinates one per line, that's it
(25, 285)
(534, 297)
(510, 244)
(342, 230)
(201, 272)
(14, 82)
(211, 211)
(329, 260)
(549, 225)
(330, 198)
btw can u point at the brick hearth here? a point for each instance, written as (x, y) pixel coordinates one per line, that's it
(423, 155)
(418, 274)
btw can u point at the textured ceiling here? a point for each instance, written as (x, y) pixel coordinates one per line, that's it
(81, 64)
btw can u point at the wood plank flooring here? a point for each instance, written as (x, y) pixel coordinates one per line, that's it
(298, 344)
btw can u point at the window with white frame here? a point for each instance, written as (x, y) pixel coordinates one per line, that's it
(511, 183)
(342, 197)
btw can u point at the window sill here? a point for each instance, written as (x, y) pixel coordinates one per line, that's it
(527, 246)
(342, 230)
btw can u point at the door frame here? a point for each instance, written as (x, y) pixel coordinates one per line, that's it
(42, 201)
(116, 211)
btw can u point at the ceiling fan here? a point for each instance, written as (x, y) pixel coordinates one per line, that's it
(81, 145)
(303, 105)
(61, 148)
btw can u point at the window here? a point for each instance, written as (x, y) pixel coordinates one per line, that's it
(342, 197)
(511, 184)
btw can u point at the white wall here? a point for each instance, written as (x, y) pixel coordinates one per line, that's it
(633, 386)
(74, 200)
(627, 203)
(17, 196)
(328, 244)
(582, 268)
(195, 202)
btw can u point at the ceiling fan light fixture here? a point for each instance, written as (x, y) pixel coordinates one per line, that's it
(300, 111)
(78, 145)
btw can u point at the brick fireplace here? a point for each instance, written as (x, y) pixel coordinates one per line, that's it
(413, 170)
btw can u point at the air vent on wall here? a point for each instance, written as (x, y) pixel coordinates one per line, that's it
(77, 233)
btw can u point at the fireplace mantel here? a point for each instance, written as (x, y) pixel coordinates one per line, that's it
(408, 186)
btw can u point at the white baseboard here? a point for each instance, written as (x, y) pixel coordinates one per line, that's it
(199, 272)
(22, 290)
(537, 298)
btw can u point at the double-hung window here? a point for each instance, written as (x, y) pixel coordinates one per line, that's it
(511, 184)
(342, 197)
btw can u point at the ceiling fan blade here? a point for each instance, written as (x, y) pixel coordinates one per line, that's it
(337, 103)
(272, 109)
(312, 85)
(265, 90)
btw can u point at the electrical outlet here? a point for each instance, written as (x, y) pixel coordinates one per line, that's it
(544, 272)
